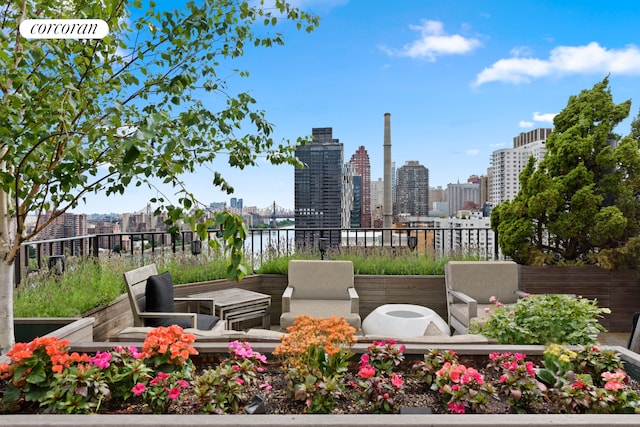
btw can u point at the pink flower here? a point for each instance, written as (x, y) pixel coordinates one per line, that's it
(487, 309)
(493, 299)
(613, 386)
(265, 386)
(579, 385)
(367, 371)
(613, 376)
(504, 378)
(458, 408)
(101, 360)
(174, 393)
(240, 381)
(183, 383)
(396, 380)
(138, 389)
(530, 368)
(162, 376)
(364, 359)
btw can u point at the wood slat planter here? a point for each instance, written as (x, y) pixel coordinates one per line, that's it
(617, 290)
(338, 420)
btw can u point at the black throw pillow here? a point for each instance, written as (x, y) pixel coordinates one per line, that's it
(159, 296)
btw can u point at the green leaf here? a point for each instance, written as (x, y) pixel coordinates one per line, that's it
(131, 155)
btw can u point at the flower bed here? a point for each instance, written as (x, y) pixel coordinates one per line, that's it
(320, 375)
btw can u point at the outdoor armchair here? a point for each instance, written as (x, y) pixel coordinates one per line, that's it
(471, 284)
(153, 304)
(320, 289)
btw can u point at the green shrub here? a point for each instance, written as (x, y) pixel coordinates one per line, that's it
(544, 319)
(88, 283)
(373, 261)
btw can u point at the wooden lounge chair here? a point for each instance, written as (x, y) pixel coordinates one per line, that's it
(153, 304)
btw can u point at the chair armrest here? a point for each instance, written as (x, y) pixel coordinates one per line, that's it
(472, 304)
(286, 299)
(355, 300)
(207, 302)
(162, 314)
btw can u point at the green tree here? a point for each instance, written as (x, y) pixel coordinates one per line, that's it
(96, 116)
(581, 204)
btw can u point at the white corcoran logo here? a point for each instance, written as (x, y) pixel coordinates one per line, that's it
(64, 28)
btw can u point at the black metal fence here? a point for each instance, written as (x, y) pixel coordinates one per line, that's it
(260, 244)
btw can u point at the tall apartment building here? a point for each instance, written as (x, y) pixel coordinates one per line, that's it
(438, 204)
(472, 235)
(377, 201)
(236, 203)
(318, 186)
(363, 169)
(412, 189)
(65, 225)
(357, 205)
(351, 201)
(108, 242)
(506, 164)
(463, 196)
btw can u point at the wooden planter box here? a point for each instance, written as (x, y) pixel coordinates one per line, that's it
(318, 420)
(74, 329)
(617, 290)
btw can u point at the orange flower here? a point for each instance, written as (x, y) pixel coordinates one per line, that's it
(169, 340)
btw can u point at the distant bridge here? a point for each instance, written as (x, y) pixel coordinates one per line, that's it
(275, 212)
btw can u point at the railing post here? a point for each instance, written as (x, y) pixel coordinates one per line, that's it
(95, 248)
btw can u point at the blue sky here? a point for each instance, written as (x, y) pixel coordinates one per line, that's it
(460, 79)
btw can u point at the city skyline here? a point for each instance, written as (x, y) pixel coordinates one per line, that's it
(460, 79)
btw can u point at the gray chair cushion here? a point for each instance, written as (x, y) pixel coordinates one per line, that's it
(204, 322)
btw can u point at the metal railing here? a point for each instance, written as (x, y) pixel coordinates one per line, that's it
(263, 243)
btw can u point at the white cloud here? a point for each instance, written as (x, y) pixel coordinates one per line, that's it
(540, 117)
(497, 145)
(519, 51)
(563, 60)
(524, 124)
(433, 42)
(473, 152)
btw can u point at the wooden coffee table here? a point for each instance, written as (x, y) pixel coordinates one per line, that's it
(235, 305)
